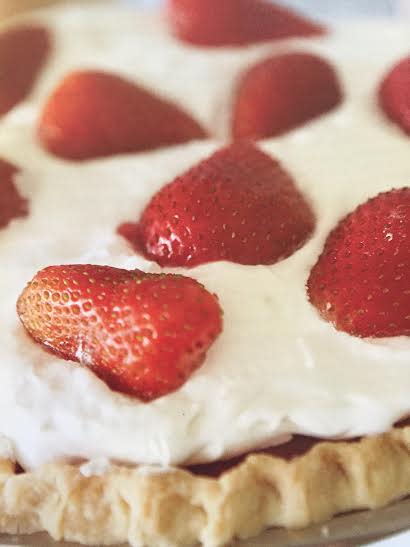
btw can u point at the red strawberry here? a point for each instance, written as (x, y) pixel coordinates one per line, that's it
(94, 114)
(237, 205)
(361, 282)
(394, 94)
(23, 52)
(235, 22)
(12, 205)
(283, 92)
(143, 334)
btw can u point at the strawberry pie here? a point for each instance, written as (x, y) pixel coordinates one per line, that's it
(205, 291)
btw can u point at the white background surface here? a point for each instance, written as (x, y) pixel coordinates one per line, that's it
(401, 540)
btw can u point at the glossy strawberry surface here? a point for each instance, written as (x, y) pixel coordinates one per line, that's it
(238, 205)
(23, 52)
(12, 204)
(93, 114)
(361, 282)
(394, 94)
(284, 92)
(143, 334)
(235, 22)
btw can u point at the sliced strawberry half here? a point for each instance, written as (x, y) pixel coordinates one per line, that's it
(361, 282)
(12, 205)
(235, 22)
(143, 334)
(238, 205)
(394, 94)
(93, 114)
(23, 52)
(283, 92)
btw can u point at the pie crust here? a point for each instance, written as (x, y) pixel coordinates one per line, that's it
(151, 507)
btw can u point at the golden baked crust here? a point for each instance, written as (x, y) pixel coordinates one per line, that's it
(177, 508)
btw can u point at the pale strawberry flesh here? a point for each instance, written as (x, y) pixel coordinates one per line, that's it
(143, 334)
(12, 204)
(93, 114)
(361, 282)
(238, 205)
(23, 53)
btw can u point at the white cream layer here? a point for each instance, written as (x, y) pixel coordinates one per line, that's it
(277, 368)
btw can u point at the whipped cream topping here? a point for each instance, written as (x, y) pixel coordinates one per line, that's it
(277, 368)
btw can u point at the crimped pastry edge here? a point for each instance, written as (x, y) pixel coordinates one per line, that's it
(176, 508)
